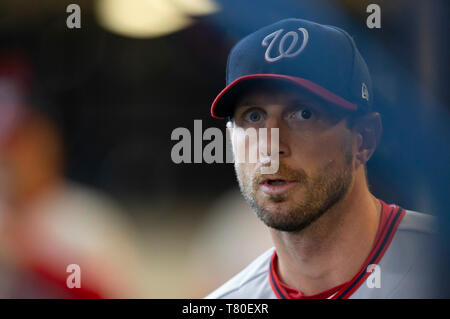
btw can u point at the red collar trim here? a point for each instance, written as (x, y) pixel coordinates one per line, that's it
(391, 216)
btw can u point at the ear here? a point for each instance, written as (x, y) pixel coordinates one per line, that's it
(368, 129)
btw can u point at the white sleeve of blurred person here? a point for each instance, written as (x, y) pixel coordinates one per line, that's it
(75, 225)
(71, 224)
(226, 242)
(46, 222)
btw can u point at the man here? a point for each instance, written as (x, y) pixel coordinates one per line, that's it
(332, 237)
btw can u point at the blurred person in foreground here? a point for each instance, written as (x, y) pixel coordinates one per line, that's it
(46, 222)
(333, 238)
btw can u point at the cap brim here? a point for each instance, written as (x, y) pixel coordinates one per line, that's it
(223, 104)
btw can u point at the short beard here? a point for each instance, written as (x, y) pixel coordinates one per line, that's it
(323, 191)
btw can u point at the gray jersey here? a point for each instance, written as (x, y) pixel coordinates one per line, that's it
(404, 266)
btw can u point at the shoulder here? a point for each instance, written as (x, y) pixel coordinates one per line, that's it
(416, 236)
(251, 282)
(415, 222)
(417, 231)
(410, 262)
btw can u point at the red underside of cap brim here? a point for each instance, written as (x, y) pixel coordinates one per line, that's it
(217, 109)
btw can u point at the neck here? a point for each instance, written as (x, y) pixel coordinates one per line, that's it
(330, 251)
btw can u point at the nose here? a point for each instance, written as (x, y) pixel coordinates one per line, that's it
(277, 135)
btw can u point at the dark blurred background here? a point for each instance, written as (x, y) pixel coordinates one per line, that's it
(116, 88)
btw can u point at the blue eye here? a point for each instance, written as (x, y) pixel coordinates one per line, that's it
(302, 114)
(253, 116)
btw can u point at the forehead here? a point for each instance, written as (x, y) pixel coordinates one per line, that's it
(262, 96)
(285, 97)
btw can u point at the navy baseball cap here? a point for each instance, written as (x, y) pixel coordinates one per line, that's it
(320, 59)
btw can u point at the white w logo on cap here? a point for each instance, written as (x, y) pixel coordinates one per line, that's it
(270, 40)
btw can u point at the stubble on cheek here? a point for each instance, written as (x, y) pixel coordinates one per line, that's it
(243, 177)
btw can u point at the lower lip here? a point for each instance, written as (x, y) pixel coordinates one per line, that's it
(277, 189)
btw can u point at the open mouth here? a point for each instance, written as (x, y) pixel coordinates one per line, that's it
(276, 182)
(276, 185)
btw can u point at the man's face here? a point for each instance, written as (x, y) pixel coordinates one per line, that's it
(315, 158)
